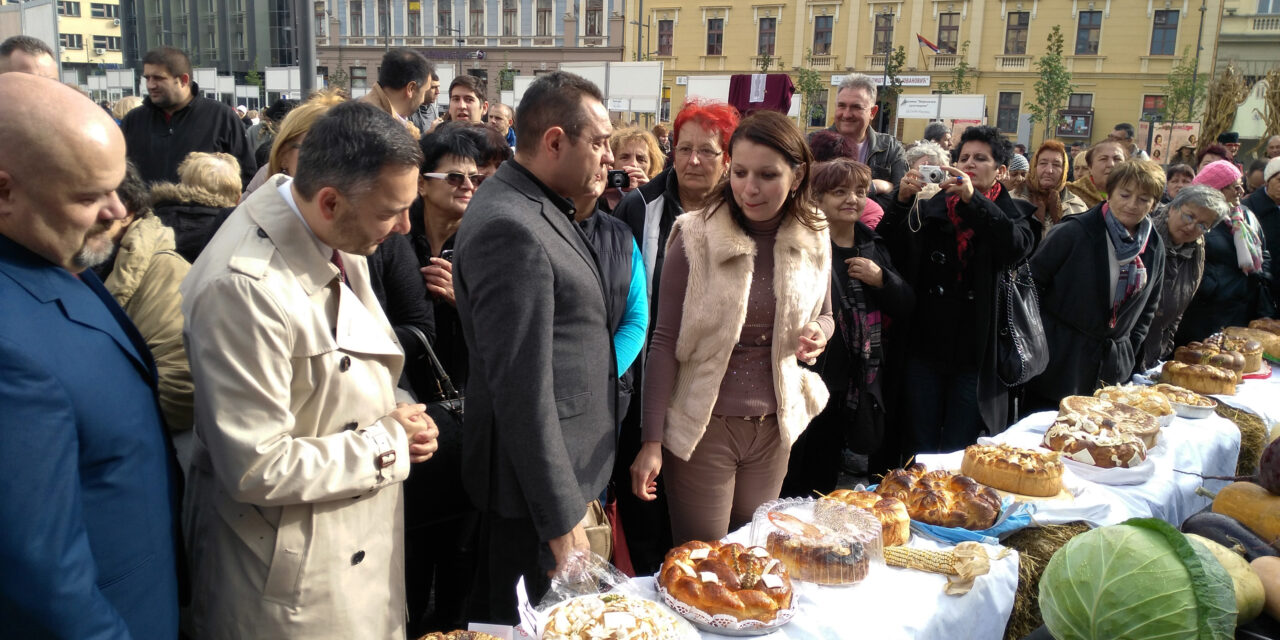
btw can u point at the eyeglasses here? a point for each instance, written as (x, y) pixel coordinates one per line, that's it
(1188, 219)
(456, 179)
(705, 154)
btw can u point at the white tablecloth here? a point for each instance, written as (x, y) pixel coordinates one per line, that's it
(1259, 396)
(897, 604)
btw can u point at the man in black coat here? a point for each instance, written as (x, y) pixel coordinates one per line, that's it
(175, 120)
(1265, 205)
(539, 441)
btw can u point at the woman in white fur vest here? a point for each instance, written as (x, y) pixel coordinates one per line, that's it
(745, 297)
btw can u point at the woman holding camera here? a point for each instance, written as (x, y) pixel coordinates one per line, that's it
(952, 249)
(745, 298)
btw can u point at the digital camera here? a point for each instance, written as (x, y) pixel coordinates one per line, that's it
(932, 174)
(617, 179)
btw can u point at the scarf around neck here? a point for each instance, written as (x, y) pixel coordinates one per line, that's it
(1128, 248)
(860, 328)
(964, 233)
(1245, 235)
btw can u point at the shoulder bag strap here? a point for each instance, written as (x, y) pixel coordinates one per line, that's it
(442, 378)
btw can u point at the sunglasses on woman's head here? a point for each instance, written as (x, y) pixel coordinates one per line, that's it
(456, 179)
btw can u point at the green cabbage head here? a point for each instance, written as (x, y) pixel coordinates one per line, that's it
(1141, 580)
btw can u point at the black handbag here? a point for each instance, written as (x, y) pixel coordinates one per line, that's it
(433, 491)
(1022, 350)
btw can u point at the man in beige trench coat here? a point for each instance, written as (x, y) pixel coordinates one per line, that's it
(293, 509)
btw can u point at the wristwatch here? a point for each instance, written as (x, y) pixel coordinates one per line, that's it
(385, 457)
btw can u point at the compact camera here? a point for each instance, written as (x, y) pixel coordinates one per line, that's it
(617, 179)
(932, 174)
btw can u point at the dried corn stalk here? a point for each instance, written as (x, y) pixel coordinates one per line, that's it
(1226, 93)
(1271, 105)
(962, 565)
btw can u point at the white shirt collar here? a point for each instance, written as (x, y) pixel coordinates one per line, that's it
(286, 191)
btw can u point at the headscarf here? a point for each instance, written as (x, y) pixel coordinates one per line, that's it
(1050, 199)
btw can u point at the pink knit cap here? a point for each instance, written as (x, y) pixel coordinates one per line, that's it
(1219, 174)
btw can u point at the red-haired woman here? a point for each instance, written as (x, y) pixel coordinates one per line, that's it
(699, 151)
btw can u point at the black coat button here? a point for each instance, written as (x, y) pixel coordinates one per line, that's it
(350, 426)
(262, 233)
(345, 363)
(357, 558)
(970, 295)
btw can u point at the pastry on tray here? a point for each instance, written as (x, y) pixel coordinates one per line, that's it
(1201, 378)
(1247, 347)
(611, 615)
(1270, 342)
(1095, 439)
(1184, 396)
(1021, 471)
(727, 579)
(895, 523)
(942, 498)
(1210, 354)
(1113, 415)
(824, 542)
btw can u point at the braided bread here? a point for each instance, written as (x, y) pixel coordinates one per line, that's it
(1210, 354)
(1249, 348)
(1201, 378)
(895, 524)
(727, 579)
(942, 498)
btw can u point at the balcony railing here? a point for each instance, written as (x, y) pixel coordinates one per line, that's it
(821, 62)
(945, 61)
(875, 61)
(1266, 24)
(1013, 63)
(775, 63)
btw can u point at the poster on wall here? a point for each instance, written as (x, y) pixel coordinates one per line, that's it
(1163, 142)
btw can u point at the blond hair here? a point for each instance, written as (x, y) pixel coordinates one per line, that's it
(1143, 176)
(217, 173)
(124, 105)
(628, 135)
(298, 123)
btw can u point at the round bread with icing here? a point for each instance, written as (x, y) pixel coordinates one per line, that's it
(1090, 440)
(1114, 415)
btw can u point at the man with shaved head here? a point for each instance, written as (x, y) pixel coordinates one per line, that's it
(89, 539)
(26, 54)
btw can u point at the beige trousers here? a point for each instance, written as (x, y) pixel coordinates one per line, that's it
(738, 465)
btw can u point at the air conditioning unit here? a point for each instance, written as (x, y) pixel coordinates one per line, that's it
(116, 22)
(97, 51)
(682, 80)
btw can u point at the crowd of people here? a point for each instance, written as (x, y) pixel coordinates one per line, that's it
(234, 352)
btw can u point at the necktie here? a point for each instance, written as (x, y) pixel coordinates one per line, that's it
(337, 261)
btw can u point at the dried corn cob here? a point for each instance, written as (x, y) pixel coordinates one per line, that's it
(962, 565)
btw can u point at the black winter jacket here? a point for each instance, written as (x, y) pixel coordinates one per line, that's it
(655, 203)
(954, 322)
(1268, 213)
(1072, 271)
(158, 144)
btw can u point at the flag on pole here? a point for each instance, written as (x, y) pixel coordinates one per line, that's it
(925, 41)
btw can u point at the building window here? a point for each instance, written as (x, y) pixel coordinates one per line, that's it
(384, 18)
(1151, 107)
(509, 22)
(666, 33)
(70, 9)
(444, 18)
(822, 35)
(355, 26)
(477, 18)
(1015, 35)
(71, 40)
(415, 19)
(715, 36)
(884, 33)
(1080, 101)
(1088, 32)
(99, 10)
(818, 116)
(665, 113)
(767, 37)
(110, 43)
(544, 17)
(359, 78)
(948, 32)
(595, 17)
(1007, 116)
(1268, 6)
(1164, 34)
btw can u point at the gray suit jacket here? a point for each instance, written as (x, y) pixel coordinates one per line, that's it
(539, 439)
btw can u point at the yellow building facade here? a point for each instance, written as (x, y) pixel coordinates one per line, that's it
(89, 32)
(1119, 52)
